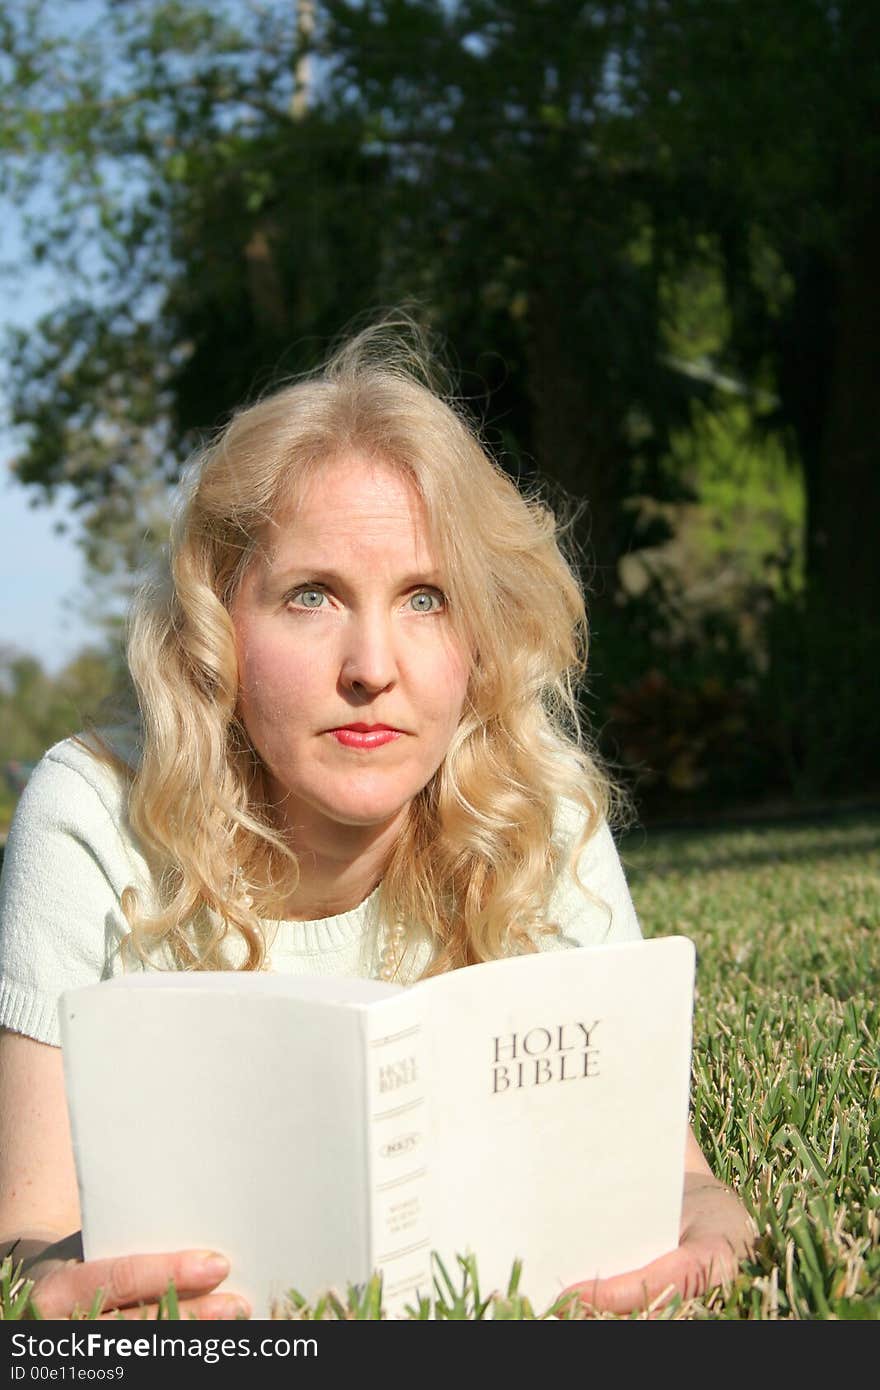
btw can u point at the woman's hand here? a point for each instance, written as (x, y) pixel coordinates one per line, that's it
(131, 1285)
(716, 1233)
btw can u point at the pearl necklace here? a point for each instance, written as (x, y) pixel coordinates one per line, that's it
(392, 952)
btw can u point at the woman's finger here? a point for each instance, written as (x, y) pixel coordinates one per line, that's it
(213, 1307)
(127, 1280)
(688, 1271)
(639, 1288)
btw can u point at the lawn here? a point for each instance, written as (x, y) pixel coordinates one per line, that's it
(786, 1101)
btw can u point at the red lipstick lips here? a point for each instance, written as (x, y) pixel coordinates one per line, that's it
(365, 736)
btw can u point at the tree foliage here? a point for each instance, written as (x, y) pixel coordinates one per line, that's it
(772, 116)
(611, 210)
(37, 709)
(472, 158)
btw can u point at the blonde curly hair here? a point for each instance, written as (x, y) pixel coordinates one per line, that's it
(476, 861)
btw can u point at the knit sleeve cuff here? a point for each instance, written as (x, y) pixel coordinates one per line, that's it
(29, 1011)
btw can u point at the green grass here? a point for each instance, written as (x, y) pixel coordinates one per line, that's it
(786, 920)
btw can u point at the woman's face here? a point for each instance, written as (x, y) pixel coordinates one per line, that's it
(341, 620)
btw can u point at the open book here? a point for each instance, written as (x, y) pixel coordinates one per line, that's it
(316, 1130)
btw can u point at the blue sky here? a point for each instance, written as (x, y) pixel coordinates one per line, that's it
(42, 578)
(43, 584)
(41, 581)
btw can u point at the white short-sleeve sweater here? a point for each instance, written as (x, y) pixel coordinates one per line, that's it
(71, 853)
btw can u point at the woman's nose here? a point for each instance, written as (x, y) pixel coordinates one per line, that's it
(370, 660)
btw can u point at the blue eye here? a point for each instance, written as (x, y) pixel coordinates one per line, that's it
(427, 602)
(308, 598)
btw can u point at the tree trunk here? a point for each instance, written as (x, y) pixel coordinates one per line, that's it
(575, 441)
(845, 507)
(845, 501)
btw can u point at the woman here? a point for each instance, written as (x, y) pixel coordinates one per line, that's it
(358, 754)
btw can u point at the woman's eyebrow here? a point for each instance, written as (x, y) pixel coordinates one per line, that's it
(319, 574)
